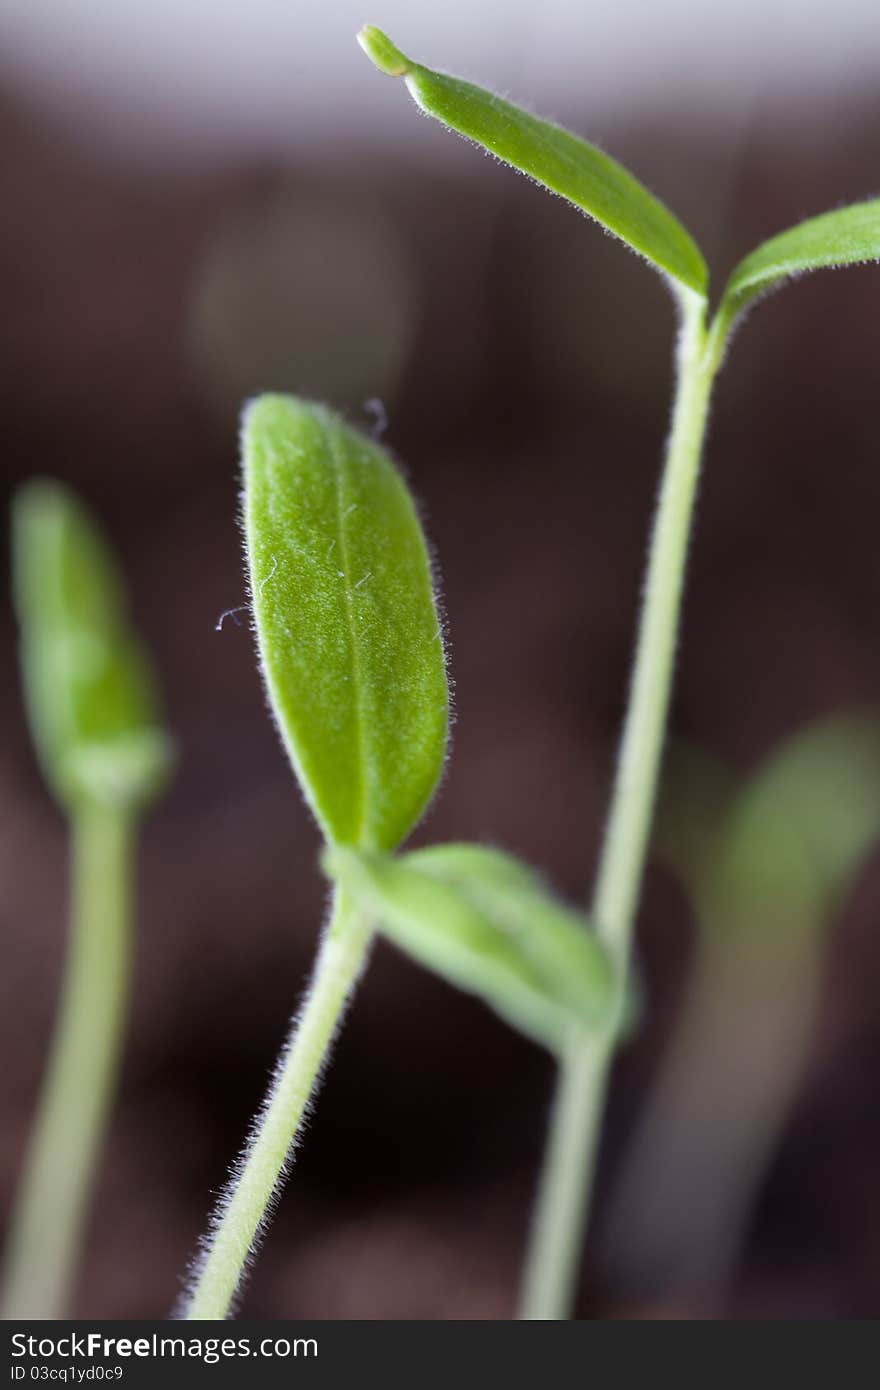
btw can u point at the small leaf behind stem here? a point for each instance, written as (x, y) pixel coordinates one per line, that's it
(553, 157)
(347, 625)
(89, 687)
(770, 856)
(487, 924)
(847, 236)
(799, 829)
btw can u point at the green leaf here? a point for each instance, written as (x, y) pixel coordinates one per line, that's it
(847, 236)
(775, 855)
(488, 925)
(801, 826)
(347, 626)
(89, 688)
(553, 157)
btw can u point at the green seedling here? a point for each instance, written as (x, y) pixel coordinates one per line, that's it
(766, 865)
(351, 647)
(606, 192)
(94, 720)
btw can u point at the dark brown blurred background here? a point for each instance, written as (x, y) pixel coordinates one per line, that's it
(524, 361)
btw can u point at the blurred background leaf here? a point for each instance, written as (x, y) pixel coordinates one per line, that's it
(766, 864)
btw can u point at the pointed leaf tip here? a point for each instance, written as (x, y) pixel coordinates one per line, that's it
(555, 158)
(381, 51)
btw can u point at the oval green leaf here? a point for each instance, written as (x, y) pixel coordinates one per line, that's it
(554, 158)
(487, 924)
(847, 236)
(347, 626)
(89, 689)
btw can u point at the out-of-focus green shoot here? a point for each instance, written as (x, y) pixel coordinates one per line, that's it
(765, 865)
(93, 716)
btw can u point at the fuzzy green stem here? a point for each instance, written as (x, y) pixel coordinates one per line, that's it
(245, 1206)
(52, 1203)
(567, 1179)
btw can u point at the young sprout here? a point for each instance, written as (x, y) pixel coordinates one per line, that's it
(351, 648)
(765, 866)
(94, 720)
(598, 186)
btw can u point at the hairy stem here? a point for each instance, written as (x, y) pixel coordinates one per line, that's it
(245, 1206)
(563, 1199)
(49, 1216)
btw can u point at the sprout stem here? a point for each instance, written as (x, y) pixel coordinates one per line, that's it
(567, 1179)
(52, 1202)
(246, 1204)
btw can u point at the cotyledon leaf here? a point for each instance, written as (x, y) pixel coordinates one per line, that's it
(555, 940)
(89, 688)
(347, 626)
(847, 236)
(553, 157)
(488, 925)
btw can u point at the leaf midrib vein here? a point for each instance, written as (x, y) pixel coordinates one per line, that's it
(354, 664)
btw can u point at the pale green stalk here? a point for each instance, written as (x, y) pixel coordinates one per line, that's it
(246, 1205)
(706, 1136)
(52, 1203)
(567, 1178)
